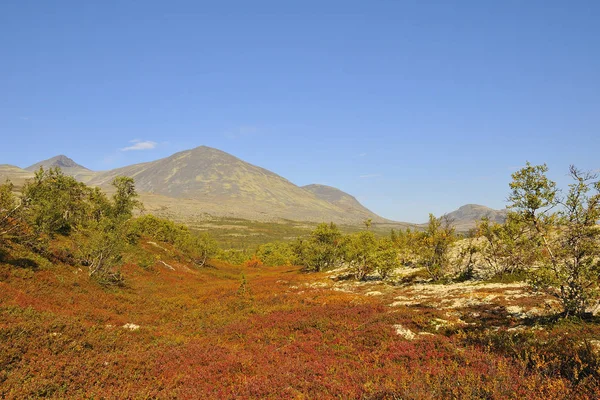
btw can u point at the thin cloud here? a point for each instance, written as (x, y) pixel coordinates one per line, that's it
(367, 176)
(140, 145)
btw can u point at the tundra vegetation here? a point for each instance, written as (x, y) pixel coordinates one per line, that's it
(100, 299)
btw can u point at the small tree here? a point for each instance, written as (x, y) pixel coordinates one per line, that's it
(360, 253)
(435, 246)
(54, 202)
(322, 250)
(276, 253)
(100, 248)
(125, 198)
(365, 254)
(568, 266)
(102, 235)
(408, 245)
(387, 258)
(507, 247)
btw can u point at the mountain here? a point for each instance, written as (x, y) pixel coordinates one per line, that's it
(204, 180)
(466, 216)
(67, 165)
(336, 196)
(15, 174)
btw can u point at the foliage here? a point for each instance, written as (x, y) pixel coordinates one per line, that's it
(234, 256)
(254, 262)
(322, 250)
(125, 198)
(365, 254)
(100, 248)
(408, 244)
(276, 253)
(435, 246)
(568, 265)
(507, 248)
(247, 333)
(54, 202)
(11, 222)
(197, 246)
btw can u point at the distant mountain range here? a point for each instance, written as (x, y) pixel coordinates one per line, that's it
(193, 184)
(205, 181)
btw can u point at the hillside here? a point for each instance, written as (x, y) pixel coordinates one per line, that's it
(15, 174)
(466, 217)
(193, 183)
(67, 165)
(337, 197)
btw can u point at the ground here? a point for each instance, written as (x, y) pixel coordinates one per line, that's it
(178, 331)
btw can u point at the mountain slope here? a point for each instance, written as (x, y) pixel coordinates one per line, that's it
(15, 174)
(207, 180)
(466, 216)
(67, 165)
(337, 197)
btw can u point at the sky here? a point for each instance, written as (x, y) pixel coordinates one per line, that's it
(411, 106)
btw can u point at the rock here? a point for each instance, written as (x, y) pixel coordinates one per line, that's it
(404, 332)
(131, 327)
(594, 310)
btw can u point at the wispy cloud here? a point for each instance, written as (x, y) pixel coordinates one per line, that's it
(140, 145)
(367, 176)
(362, 154)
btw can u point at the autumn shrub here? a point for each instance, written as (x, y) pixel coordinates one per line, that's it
(559, 352)
(254, 262)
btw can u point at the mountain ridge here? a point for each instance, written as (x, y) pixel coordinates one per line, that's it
(67, 165)
(192, 183)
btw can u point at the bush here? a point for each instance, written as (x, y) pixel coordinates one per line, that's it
(197, 246)
(276, 253)
(322, 250)
(365, 254)
(435, 246)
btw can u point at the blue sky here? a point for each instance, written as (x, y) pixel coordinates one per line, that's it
(411, 106)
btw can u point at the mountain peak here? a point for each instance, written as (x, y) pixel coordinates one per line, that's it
(214, 182)
(61, 161)
(67, 166)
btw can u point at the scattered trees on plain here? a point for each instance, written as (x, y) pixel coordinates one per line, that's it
(550, 236)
